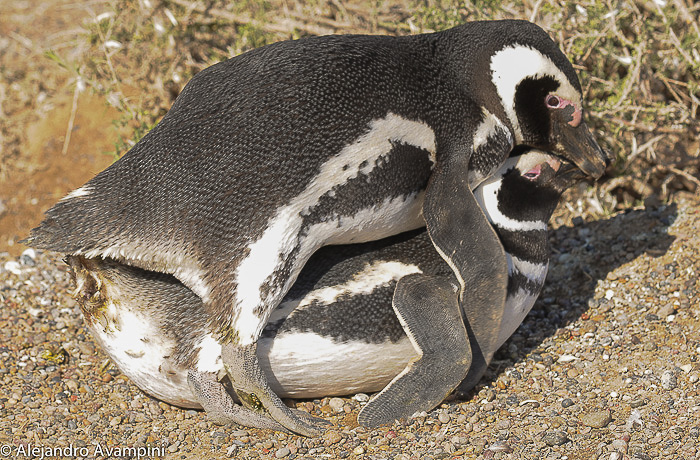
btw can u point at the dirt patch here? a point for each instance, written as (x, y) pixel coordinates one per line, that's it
(45, 173)
(36, 101)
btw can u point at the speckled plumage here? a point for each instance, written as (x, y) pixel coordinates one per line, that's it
(270, 155)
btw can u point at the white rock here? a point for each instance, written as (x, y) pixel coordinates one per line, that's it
(13, 267)
(336, 404)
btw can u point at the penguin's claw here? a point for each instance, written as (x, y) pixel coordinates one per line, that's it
(219, 406)
(428, 309)
(250, 384)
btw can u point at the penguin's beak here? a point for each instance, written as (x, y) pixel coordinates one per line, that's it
(577, 144)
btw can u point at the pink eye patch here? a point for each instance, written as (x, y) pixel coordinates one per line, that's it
(534, 173)
(556, 102)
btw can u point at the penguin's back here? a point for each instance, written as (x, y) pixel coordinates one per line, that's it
(246, 136)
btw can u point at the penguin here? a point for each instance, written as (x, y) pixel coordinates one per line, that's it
(271, 155)
(335, 332)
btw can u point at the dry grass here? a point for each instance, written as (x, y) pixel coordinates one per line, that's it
(638, 61)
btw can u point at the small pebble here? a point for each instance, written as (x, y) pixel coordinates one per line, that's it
(500, 446)
(72, 385)
(668, 380)
(666, 311)
(361, 397)
(555, 438)
(282, 452)
(598, 419)
(567, 403)
(28, 257)
(13, 267)
(337, 404)
(503, 424)
(332, 437)
(619, 445)
(443, 417)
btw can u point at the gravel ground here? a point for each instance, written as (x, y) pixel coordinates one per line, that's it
(605, 367)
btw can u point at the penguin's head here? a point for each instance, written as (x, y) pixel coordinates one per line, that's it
(531, 184)
(542, 99)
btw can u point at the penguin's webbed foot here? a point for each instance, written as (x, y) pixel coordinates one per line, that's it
(219, 406)
(250, 384)
(429, 310)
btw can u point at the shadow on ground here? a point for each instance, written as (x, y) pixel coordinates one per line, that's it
(583, 255)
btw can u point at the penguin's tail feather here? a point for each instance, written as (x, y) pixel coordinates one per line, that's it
(73, 225)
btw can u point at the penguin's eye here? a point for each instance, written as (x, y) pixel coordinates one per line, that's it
(552, 101)
(534, 173)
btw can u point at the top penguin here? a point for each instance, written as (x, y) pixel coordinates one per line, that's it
(270, 155)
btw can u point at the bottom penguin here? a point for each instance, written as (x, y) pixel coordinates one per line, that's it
(335, 333)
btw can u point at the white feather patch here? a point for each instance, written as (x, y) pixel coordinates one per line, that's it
(532, 270)
(377, 274)
(487, 197)
(137, 345)
(78, 192)
(516, 309)
(172, 262)
(209, 356)
(308, 365)
(487, 128)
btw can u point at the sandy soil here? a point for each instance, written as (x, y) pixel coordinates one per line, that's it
(604, 367)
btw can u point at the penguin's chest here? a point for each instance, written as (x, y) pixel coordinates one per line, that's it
(525, 283)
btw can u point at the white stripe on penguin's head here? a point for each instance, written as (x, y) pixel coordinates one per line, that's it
(513, 64)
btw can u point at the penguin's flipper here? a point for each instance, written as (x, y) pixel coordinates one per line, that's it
(219, 406)
(468, 243)
(250, 384)
(428, 309)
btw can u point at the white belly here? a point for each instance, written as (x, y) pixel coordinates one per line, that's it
(307, 365)
(136, 344)
(519, 305)
(297, 364)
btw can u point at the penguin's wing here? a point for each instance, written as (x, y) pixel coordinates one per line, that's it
(465, 239)
(431, 316)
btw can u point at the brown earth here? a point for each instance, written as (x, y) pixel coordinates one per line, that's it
(36, 103)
